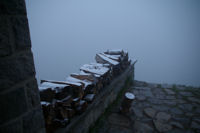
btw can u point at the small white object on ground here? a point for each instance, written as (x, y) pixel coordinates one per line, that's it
(130, 96)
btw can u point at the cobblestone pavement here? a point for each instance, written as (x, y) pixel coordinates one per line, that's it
(157, 108)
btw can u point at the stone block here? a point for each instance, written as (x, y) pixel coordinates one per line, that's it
(16, 69)
(5, 37)
(33, 96)
(12, 7)
(20, 31)
(13, 104)
(13, 127)
(33, 121)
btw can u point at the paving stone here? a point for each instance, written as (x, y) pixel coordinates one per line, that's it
(189, 114)
(162, 127)
(119, 120)
(176, 114)
(162, 116)
(160, 96)
(146, 120)
(178, 131)
(193, 99)
(186, 107)
(139, 83)
(186, 94)
(142, 88)
(136, 92)
(143, 104)
(119, 130)
(175, 110)
(179, 97)
(137, 112)
(152, 85)
(197, 119)
(195, 125)
(140, 97)
(134, 103)
(196, 105)
(180, 101)
(176, 124)
(155, 101)
(180, 87)
(170, 92)
(158, 91)
(183, 120)
(167, 86)
(150, 112)
(161, 107)
(140, 127)
(197, 110)
(170, 102)
(146, 93)
(170, 97)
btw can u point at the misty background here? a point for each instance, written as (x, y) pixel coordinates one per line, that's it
(163, 35)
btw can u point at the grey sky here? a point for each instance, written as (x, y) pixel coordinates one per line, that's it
(164, 35)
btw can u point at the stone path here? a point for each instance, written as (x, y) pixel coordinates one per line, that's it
(157, 108)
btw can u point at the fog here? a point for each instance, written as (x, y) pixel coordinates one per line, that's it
(163, 35)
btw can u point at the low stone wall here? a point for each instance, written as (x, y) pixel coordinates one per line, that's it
(107, 95)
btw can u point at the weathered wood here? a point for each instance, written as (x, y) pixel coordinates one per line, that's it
(126, 103)
(121, 56)
(47, 94)
(61, 113)
(60, 122)
(71, 97)
(81, 107)
(73, 84)
(84, 76)
(102, 100)
(70, 112)
(73, 88)
(48, 112)
(89, 97)
(113, 57)
(75, 102)
(100, 71)
(115, 52)
(110, 59)
(101, 58)
(50, 91)
(49, 115)
(89, 86)
(95, 68)
(67, 101)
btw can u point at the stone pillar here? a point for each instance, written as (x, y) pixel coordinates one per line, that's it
(20, 110)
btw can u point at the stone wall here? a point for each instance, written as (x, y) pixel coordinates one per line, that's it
(20, 109)
(106, 96)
